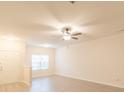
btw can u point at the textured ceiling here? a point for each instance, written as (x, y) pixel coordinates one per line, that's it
(40, 22)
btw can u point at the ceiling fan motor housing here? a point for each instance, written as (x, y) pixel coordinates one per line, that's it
(67, 30)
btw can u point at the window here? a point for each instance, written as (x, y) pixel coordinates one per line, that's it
(40, 62)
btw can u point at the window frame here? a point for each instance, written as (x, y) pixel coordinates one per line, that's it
(40, 67)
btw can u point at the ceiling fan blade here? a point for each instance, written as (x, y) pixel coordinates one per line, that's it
(76, 34)
(74, 38)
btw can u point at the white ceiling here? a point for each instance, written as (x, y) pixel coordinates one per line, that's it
(40, 22)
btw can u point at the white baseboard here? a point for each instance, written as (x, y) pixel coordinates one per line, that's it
(4, 83)
(16, 82)
(103, 83)
(44, 75)
(28, 84)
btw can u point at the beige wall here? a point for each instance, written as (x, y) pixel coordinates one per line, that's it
(27, 69)
(12, 61)
(27, 76)
(100, 60)
(42, 51)
(15, 62)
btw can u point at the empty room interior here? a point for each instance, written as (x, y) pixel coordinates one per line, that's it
(61, 46)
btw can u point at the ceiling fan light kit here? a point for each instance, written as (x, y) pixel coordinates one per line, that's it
(67, 34)
(66, 37)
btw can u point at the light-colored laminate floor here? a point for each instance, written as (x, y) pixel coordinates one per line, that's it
(14, 87)
(60, 84)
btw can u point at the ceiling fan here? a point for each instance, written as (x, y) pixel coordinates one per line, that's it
(57, 27)
(69, 34)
